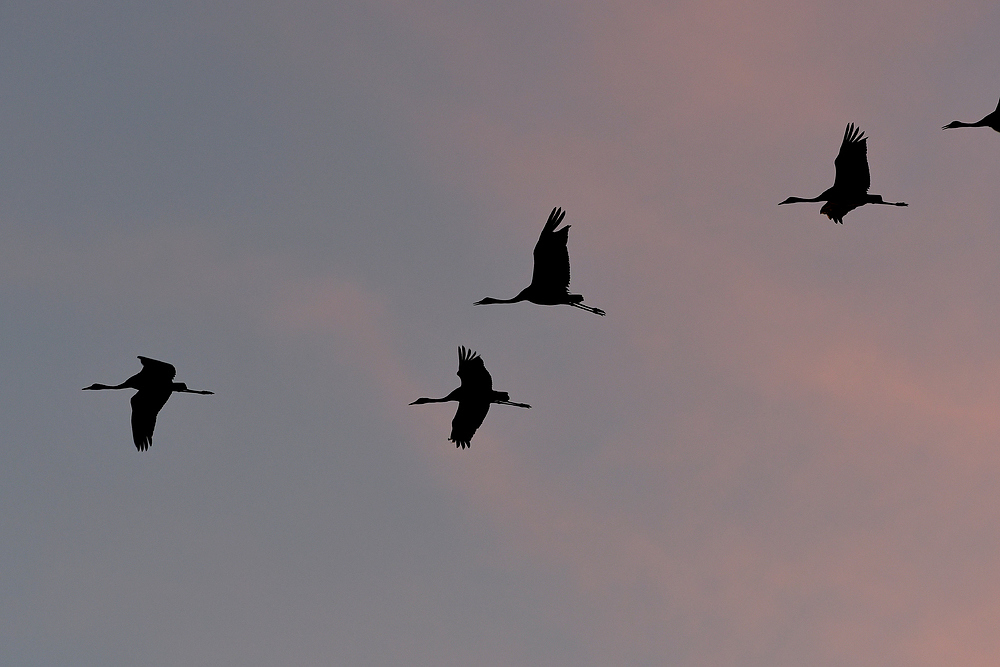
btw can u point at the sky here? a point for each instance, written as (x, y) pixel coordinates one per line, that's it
(778, 449)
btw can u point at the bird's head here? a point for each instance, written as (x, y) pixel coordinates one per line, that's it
(488, 300)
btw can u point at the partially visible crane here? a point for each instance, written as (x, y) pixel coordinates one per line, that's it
(992, 120)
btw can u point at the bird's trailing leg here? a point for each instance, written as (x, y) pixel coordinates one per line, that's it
(877, 199)
(516, 405)
(589, 309)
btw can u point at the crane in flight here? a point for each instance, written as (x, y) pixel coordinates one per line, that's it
(992, 120)
(850, 187)
(550, 276)
(155, 383)
(474, 397)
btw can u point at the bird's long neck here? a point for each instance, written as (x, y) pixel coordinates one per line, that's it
(453, 396)
(800, 200)
(123, 385)
(523, 295)
(490, 299)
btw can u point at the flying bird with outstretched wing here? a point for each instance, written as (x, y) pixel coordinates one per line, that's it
(474, 397)
(550, 274)
(850, 187)
(155, 383)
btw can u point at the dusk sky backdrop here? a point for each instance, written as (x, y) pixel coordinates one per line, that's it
(780, 448)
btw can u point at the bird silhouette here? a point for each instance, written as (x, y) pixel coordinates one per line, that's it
(550, 276)
(850, 187)
(155, 384)
(992, 120)
(474, 397)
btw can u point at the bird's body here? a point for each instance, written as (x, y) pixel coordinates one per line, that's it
(474, 397)
(992, 121)
(154, 384)
(850, 187)
(550, 274)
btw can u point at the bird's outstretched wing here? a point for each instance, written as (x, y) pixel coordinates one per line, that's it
(469, 417)
(852, 163)
(146, 404)
(472, 371)
(551, 269)
(157, 370)
(474, 401)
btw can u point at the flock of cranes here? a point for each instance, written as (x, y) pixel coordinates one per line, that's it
(549, 287)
